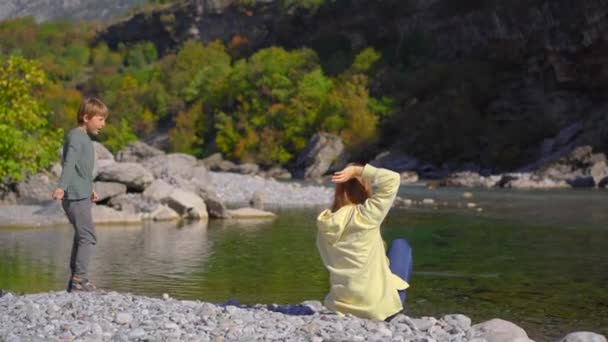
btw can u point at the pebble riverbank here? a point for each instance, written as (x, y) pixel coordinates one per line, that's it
(237, 188)
(60, 316)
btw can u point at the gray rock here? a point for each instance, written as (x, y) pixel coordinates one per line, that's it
(457, 320)
(226, 166)
(498, 330)
(278, 173)
(136, 152)
(583, 336)
(247, 168)
(215, 206)
(409, 177)
(170, 166)
(133, 203)
(396, 161)
(137, 333)
(201, 177)
(579, 168)
(599, 172)
(7, 194)
(216, 162)
(187, 204)
(314, 305)
(101, 152)
(107, 215)
(531, 181)
(318, 156)
(158, 190)
(124, 318)
(470, 179)
(237, 190)
(36, 189)
(212, 160)
(133, 175)
(424, 323)
(402, 202)
(106, 190)
(257, 200)
(164, 213)
(52, 214)
(250, 213)
(103, 157)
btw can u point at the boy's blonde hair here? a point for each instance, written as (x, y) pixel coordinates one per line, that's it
(91, 107)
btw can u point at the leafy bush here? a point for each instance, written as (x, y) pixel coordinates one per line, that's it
(27, 143)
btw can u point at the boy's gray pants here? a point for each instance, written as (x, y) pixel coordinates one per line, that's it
(85, 238)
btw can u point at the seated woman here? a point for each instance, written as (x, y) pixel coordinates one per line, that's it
(363, 282)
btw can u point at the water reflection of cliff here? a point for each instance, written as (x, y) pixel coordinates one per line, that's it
(128, 256)
(242, 225)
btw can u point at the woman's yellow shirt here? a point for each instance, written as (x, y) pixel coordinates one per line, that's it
(353, 252)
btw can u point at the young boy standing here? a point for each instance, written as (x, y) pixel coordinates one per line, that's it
(75, 189)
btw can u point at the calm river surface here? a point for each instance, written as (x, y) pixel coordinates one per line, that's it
(537, 258)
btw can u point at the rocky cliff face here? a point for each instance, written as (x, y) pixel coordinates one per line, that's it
(491, 83)
(46, 10)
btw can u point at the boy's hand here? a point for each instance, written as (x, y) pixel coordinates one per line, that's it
(347, 174)
(58, 194)
(94, 197)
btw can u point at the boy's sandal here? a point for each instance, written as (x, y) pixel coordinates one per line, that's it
(79, 284)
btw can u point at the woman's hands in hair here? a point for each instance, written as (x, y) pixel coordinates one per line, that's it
(348, 173)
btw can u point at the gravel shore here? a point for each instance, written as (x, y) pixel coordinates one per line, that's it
(235, 188)
(121, 317)
(112, 316)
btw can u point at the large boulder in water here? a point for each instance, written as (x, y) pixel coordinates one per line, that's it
(187, 204)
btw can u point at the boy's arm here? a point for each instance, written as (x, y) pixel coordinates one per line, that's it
(68, 171)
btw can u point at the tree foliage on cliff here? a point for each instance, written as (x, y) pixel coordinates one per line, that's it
(263, 108)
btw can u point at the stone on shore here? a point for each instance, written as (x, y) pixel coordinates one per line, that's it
(164, 213)
(107, 215)
(51, 214)
(498, 330)
(136, 152)
(36, 188)
(583, 336)
(170, 166)
(320, 153)
(187, 204)
(133, 175)
(106, 190)
(119, 317)
(250, 213)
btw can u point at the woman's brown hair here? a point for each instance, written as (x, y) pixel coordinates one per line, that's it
(354, 191)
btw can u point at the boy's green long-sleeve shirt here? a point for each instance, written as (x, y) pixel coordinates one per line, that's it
(78, 163)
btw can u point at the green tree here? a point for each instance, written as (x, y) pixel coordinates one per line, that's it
(117, 136)
(260, 94)
(190, 127)
(27, 143)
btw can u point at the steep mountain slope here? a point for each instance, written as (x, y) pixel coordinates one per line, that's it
(45, 10)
